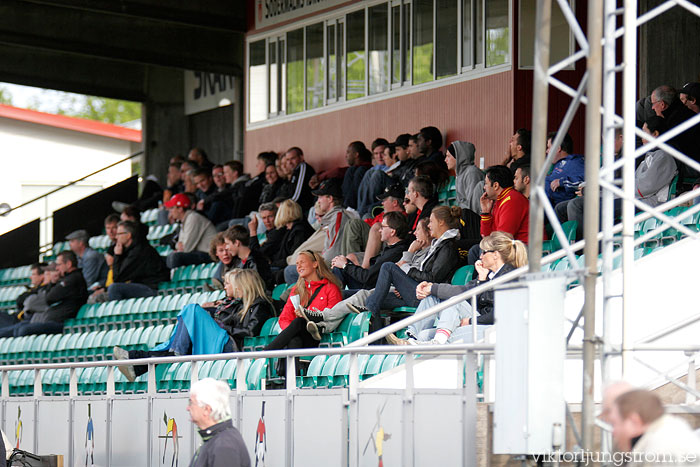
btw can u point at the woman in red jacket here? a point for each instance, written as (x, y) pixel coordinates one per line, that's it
(317, 288)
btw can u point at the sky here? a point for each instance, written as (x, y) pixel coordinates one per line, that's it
(22, 96)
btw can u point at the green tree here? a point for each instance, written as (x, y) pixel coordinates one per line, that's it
(101, 109)
(5, 96)
(91, 107)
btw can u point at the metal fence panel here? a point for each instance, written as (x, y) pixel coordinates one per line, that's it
(264, 414)
(173, 435)
(130, 437)
(53, 417)
(318, 428)
(94, 448)
(19, 423)
(380, 411)
(437, 425)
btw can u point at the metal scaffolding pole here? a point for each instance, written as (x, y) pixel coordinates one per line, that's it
(540, 98)
(594, 66)
(629, 98)
(607, 202)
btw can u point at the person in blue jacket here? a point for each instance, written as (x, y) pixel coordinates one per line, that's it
(567, 171)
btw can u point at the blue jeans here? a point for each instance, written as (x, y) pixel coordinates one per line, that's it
(121, 290)
(25, 328)
(179, 258)
(390, 274)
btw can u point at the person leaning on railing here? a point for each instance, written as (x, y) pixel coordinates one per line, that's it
(500, 254)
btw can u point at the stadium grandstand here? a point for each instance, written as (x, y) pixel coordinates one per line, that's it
(407, 232)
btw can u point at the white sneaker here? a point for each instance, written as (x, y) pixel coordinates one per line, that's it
(126, 370)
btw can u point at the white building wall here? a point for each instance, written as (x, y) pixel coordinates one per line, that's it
(38, 158)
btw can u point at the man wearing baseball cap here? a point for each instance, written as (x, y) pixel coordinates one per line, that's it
(196, 233)
(90, 262)
(329, 207)
(690, 96)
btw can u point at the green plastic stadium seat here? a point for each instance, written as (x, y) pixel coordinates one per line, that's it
(312, 373)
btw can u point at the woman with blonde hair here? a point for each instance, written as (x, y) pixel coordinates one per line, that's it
(212, 327)
(296, 230)
(500, 255)
(316, 289)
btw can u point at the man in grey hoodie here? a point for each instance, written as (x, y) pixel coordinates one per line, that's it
(469, 178)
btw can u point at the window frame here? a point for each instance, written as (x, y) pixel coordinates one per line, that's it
(339, 17)
(572, 40)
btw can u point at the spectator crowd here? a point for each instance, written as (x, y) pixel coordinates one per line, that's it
(369, 236)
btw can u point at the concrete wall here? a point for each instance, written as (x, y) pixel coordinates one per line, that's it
(38, 158)
(168, 131)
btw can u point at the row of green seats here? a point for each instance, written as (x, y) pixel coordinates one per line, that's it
(447, 194)
(188, 278)
(84, 346)
(550, 246)
(149, 217)
(15, 276)
(352, 328)
(142, 311)
(323, 372)
(8, 296)
(173, 377)
(333, 371)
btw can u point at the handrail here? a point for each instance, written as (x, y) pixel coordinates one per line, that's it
(447, 349)
(131, 156)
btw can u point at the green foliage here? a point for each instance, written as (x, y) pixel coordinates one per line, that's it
(295, 86)
(497, 46)
(356, 75)
(315, 71)
(423, 63)
(5, 96)
(90, 107)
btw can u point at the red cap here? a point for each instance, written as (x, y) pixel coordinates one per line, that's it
(180, 199)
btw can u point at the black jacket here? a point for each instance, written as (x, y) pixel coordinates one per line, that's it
(249, 325)
(65, 297)
(297, 188)
(424, 213)
(217, 206)
(390, 254)
(686, 142)
(250, 195)
(257, 262)
(484, 303)
(440, 264)
(351, 183)
(222, 446)
(292, 238)
(271, 246)
(270, 191)
(140, 263)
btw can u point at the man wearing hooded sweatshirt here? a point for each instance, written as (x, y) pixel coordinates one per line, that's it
(469, 178)
(333, 221)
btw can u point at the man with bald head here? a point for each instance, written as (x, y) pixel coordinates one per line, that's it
(666, 104)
